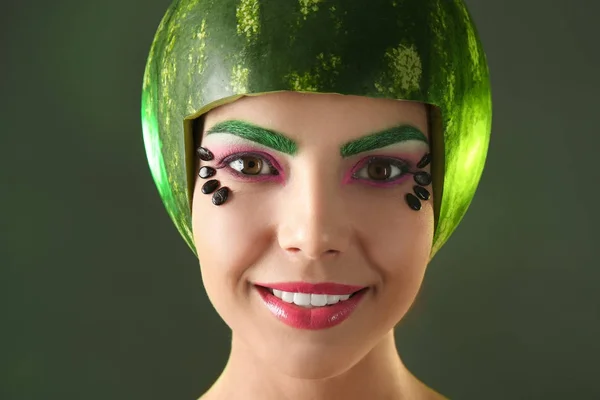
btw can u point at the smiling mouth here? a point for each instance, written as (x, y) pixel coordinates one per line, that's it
(310, 300)
(311, 306)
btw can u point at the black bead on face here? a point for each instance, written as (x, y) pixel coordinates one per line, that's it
(413, 202)
(424, 161)
(421, 192)
(205, 154)
(210, 186)
(220, 196)
(206, 172)
(422, 178)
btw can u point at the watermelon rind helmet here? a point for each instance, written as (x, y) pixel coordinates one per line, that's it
(207, 53)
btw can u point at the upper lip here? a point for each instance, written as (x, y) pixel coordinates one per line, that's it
(313, 288)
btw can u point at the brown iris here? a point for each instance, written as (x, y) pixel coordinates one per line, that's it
(379, 170)
(250, 165)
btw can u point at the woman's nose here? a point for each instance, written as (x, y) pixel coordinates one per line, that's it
(313, 223)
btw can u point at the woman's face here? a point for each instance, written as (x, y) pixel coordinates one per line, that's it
(310, 202)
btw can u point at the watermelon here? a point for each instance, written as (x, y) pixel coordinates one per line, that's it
(210, 52)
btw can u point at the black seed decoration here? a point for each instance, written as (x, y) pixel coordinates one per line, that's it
(423, 178)
(421, 192)
(205, 154)
(206, 172)
(220, 196)
(424, 161)
(210, 186)
(413, 202)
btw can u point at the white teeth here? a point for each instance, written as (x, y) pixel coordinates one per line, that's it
(310, 300)
(318, 300)
(302, 299)
(287, 297)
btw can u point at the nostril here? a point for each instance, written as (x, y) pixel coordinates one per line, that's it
(331, 253)
(296, 250)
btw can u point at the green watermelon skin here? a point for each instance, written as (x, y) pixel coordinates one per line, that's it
(205, 51)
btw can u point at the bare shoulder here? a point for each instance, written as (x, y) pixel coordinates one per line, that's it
(427, 393)
(436, 396)
(212, 394)
(206, 396)
(430, 394)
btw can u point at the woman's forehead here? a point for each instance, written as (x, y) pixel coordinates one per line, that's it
(302, 115)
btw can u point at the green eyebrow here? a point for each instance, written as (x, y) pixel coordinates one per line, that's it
(266, 137)
(381, 139)
(283, 144)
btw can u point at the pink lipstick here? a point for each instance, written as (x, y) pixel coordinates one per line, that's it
(278, 299)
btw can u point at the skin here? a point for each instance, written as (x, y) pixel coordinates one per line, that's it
(314, 224)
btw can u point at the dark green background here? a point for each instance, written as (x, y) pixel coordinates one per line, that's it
(101, 298)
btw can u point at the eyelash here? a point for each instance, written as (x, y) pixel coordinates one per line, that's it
(271, 163)
(276, 172)
(402, 165)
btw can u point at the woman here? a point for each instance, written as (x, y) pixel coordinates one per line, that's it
(315, 155)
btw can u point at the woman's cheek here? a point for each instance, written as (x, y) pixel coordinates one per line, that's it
(395, 238)
(232, 236)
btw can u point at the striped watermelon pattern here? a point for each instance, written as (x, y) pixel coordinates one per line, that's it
(208, 52)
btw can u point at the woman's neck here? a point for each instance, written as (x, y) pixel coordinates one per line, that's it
(379, 375)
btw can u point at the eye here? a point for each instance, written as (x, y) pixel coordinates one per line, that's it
(382, 169)
(252, 165)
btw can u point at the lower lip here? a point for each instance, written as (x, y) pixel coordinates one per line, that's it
(310, 318)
